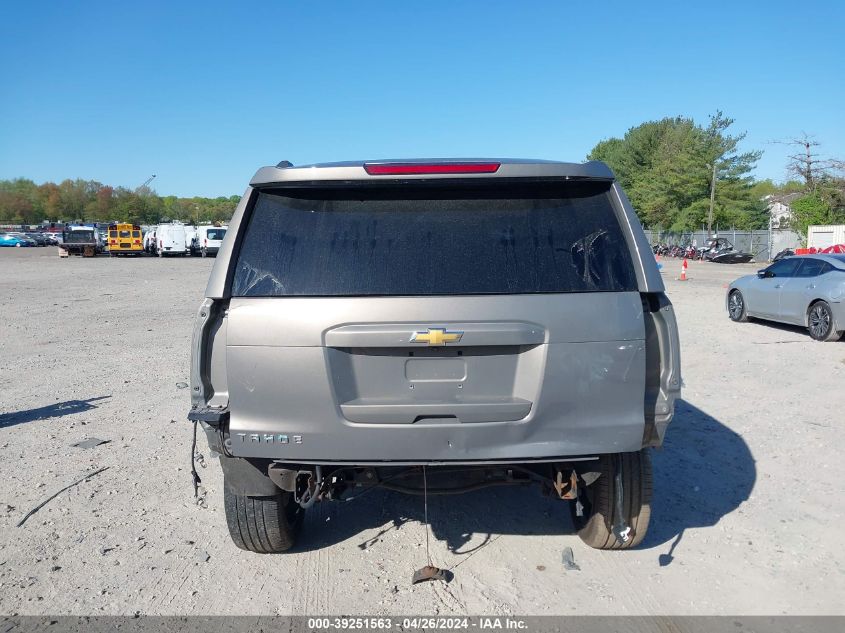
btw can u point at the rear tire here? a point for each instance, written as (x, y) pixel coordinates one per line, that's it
(265, 525)
(820, 322)
(598, 499)
(736, 307)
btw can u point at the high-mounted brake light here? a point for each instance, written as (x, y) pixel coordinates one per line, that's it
(407, 169)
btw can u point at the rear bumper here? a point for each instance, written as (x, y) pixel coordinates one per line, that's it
(479, 444)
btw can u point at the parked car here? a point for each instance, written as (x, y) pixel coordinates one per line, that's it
(432, 327)
(807, 290)
(207, 240)
(38, 238)
(23, 236)
(11, 239)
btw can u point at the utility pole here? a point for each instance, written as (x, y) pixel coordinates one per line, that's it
(712, 201)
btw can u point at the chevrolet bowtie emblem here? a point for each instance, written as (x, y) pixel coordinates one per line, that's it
(436, 336)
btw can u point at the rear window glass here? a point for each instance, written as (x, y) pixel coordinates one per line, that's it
(425, 241)
(216, 234)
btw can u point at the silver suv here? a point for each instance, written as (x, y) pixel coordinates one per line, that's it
(446, 324)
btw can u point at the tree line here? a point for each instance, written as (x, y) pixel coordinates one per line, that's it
(679, 175)
(24, 202)
(682, 176)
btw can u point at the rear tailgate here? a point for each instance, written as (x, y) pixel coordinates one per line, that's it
(434, 323)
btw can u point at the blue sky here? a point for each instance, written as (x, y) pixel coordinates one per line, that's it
(202, 94)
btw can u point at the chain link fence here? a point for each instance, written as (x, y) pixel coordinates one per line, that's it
(763, 244)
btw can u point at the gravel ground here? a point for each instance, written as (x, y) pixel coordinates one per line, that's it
(747, 517)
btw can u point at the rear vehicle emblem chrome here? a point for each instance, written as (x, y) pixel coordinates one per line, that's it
(436, 336)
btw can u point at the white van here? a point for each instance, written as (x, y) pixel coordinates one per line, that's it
(208, 240)
(190, 237)
(171, 239)
(149, 241)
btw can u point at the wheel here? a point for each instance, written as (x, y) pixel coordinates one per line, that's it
(736, 307)
(265, 525)
(820, 322)
(18, 245)
(598, 501)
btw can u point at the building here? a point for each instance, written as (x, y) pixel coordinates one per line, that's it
(780, 211)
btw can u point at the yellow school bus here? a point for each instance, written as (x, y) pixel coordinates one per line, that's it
(125, 239)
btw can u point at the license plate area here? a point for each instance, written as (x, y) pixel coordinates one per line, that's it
(435, 385)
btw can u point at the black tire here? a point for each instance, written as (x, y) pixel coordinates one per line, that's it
(265, 525)
(598, 499)
(737, 310)
(820, 322)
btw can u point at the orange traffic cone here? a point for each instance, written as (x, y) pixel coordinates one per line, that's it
(684, 270)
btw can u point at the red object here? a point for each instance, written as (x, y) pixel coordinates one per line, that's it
(400, 169)
(684, 270)
(835, 249)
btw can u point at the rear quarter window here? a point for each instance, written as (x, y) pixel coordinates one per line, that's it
(387, 241)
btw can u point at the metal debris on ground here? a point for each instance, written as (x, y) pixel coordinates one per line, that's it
(91, 442)
(429, 572)
(181, 385)
(569, 560)
(53, 496)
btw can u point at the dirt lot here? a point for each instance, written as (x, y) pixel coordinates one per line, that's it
(748, 515)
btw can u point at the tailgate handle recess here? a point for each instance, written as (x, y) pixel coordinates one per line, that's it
(417, 412)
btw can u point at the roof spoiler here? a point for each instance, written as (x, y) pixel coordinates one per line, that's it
(407, 170)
